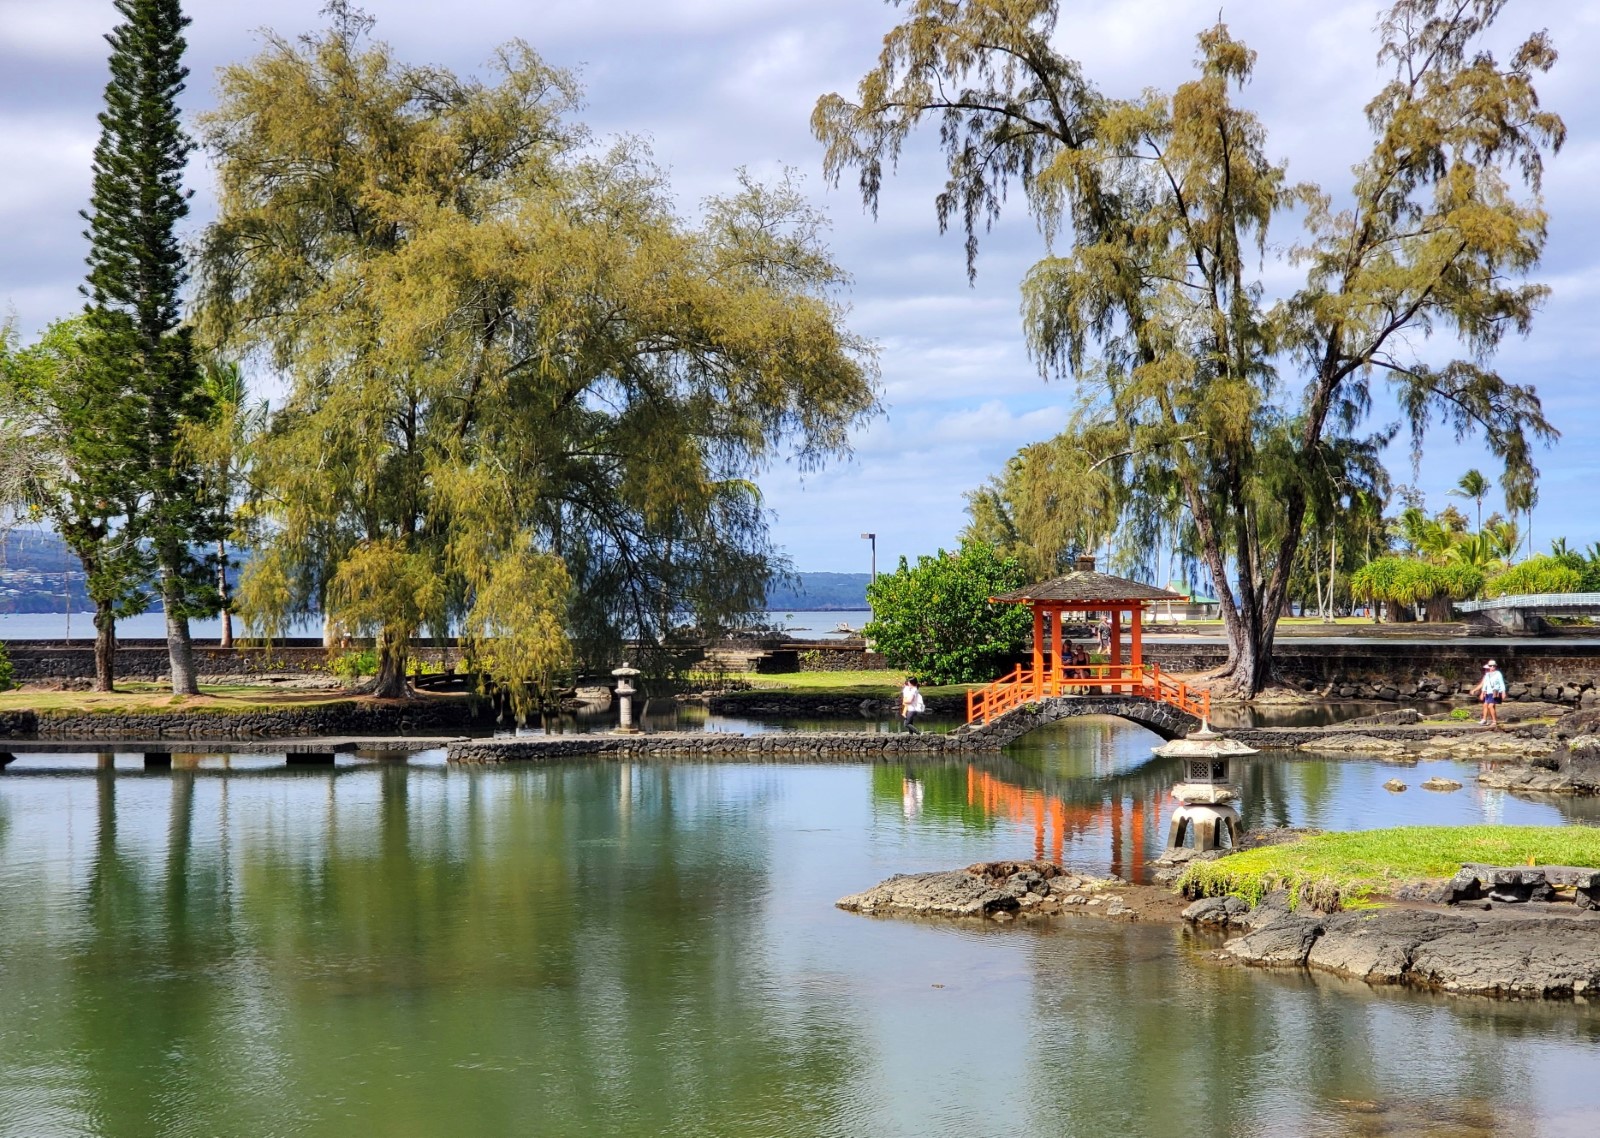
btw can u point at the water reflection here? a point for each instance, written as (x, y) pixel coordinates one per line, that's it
(628, 949)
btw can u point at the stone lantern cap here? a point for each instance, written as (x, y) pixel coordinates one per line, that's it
(624, 672)
(1203, 744)
(1205, 756)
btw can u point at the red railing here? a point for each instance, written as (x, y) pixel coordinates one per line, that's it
(1021, 685)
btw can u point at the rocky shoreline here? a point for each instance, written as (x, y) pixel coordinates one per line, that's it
(1532, 950)
(1528, 950)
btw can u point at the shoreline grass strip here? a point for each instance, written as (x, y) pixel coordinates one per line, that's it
(1349, 869)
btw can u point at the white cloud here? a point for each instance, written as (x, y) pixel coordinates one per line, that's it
(722, 83)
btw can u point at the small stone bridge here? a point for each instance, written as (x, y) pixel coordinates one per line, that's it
(829, 746)
(1164, 718)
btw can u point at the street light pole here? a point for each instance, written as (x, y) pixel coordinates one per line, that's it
(873, 538)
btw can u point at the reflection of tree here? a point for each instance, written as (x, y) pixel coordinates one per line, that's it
(610, 961)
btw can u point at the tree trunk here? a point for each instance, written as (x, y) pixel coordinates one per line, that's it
(226, 640)
(105, 647)
(180, 650)
(392, 653)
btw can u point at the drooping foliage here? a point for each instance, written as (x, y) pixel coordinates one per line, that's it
(515, 371)
(1407, 583)
(934, 619)
(1537, 574)
(1157, 213)
(137, 271)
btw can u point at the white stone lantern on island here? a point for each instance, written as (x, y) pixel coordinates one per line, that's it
(1205, 796)
(625, 692)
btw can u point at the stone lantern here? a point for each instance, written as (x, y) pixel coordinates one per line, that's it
(625, 693)
(1204, 796)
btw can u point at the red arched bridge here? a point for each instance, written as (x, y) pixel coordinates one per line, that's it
(1054, 672)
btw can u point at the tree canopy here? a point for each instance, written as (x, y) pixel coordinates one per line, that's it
(525, 395)
(934, 619)
(1196, 388)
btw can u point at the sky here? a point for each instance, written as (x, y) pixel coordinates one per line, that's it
(716, 85)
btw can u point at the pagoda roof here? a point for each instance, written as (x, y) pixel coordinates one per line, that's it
(1086, 587)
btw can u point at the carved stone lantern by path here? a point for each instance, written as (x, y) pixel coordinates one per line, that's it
(625, 693)
(1205, 795)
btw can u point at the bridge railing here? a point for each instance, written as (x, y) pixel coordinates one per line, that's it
(1022, 684)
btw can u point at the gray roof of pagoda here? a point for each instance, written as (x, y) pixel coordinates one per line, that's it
(1086, 586)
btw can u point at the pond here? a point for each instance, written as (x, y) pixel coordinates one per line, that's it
(629, 949)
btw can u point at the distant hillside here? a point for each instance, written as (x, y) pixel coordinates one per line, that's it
(38, 572)
(821, 592)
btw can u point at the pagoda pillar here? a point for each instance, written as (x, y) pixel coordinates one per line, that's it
(1038, 649)
(1114, 650)
(1056, 670)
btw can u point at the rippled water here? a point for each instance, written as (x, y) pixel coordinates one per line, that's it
(403, 948)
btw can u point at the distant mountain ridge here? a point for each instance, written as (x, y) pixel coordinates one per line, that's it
(38, 572)
(821, 592)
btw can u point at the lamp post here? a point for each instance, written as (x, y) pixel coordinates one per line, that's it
(873, 538)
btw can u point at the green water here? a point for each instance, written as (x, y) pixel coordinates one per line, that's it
(639, 950)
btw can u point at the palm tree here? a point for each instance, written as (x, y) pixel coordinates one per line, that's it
(1506, 537)
(1476, 486)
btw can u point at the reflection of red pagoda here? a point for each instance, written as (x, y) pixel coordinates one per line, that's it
(1053, 819)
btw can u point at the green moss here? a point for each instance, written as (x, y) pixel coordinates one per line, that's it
(1348, 870)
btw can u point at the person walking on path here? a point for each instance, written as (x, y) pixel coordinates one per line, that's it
(911, 704)
(1491, 690)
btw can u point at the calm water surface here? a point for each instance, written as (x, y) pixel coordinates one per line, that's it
(406, 949)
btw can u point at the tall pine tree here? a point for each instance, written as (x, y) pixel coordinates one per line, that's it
(136, 273)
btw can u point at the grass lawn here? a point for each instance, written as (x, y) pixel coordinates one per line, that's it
(867, 683)
(1349, 869)
(132, 698)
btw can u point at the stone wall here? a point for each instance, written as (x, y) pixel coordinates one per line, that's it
(341, 718)
(51, 661)
(1554, 671)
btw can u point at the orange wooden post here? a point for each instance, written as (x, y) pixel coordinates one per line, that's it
(1056, 670)
(1136, 634)
(1038, 649)
(1114, 658)
(1136, 847)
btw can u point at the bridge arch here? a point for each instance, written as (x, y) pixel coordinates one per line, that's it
(1159, 716)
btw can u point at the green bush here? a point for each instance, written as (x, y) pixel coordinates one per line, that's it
(1536, 575)
(1462, 713)
(1410, 581)
(7, 680)
(935, 620)
(355, 664)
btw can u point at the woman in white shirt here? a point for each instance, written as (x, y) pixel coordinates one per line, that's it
(911, 704)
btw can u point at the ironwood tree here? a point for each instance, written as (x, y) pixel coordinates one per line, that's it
(137, 272)
(1153, 210)
(70, 457)
(525, 397)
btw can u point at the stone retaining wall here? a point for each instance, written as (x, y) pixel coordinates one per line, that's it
(1556, 671)
(51, 661)
(350, 718)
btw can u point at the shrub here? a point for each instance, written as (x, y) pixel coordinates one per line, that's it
(1536, 575)
(7, 680)
(935, 619)
(1410, 581)
(355, 664)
